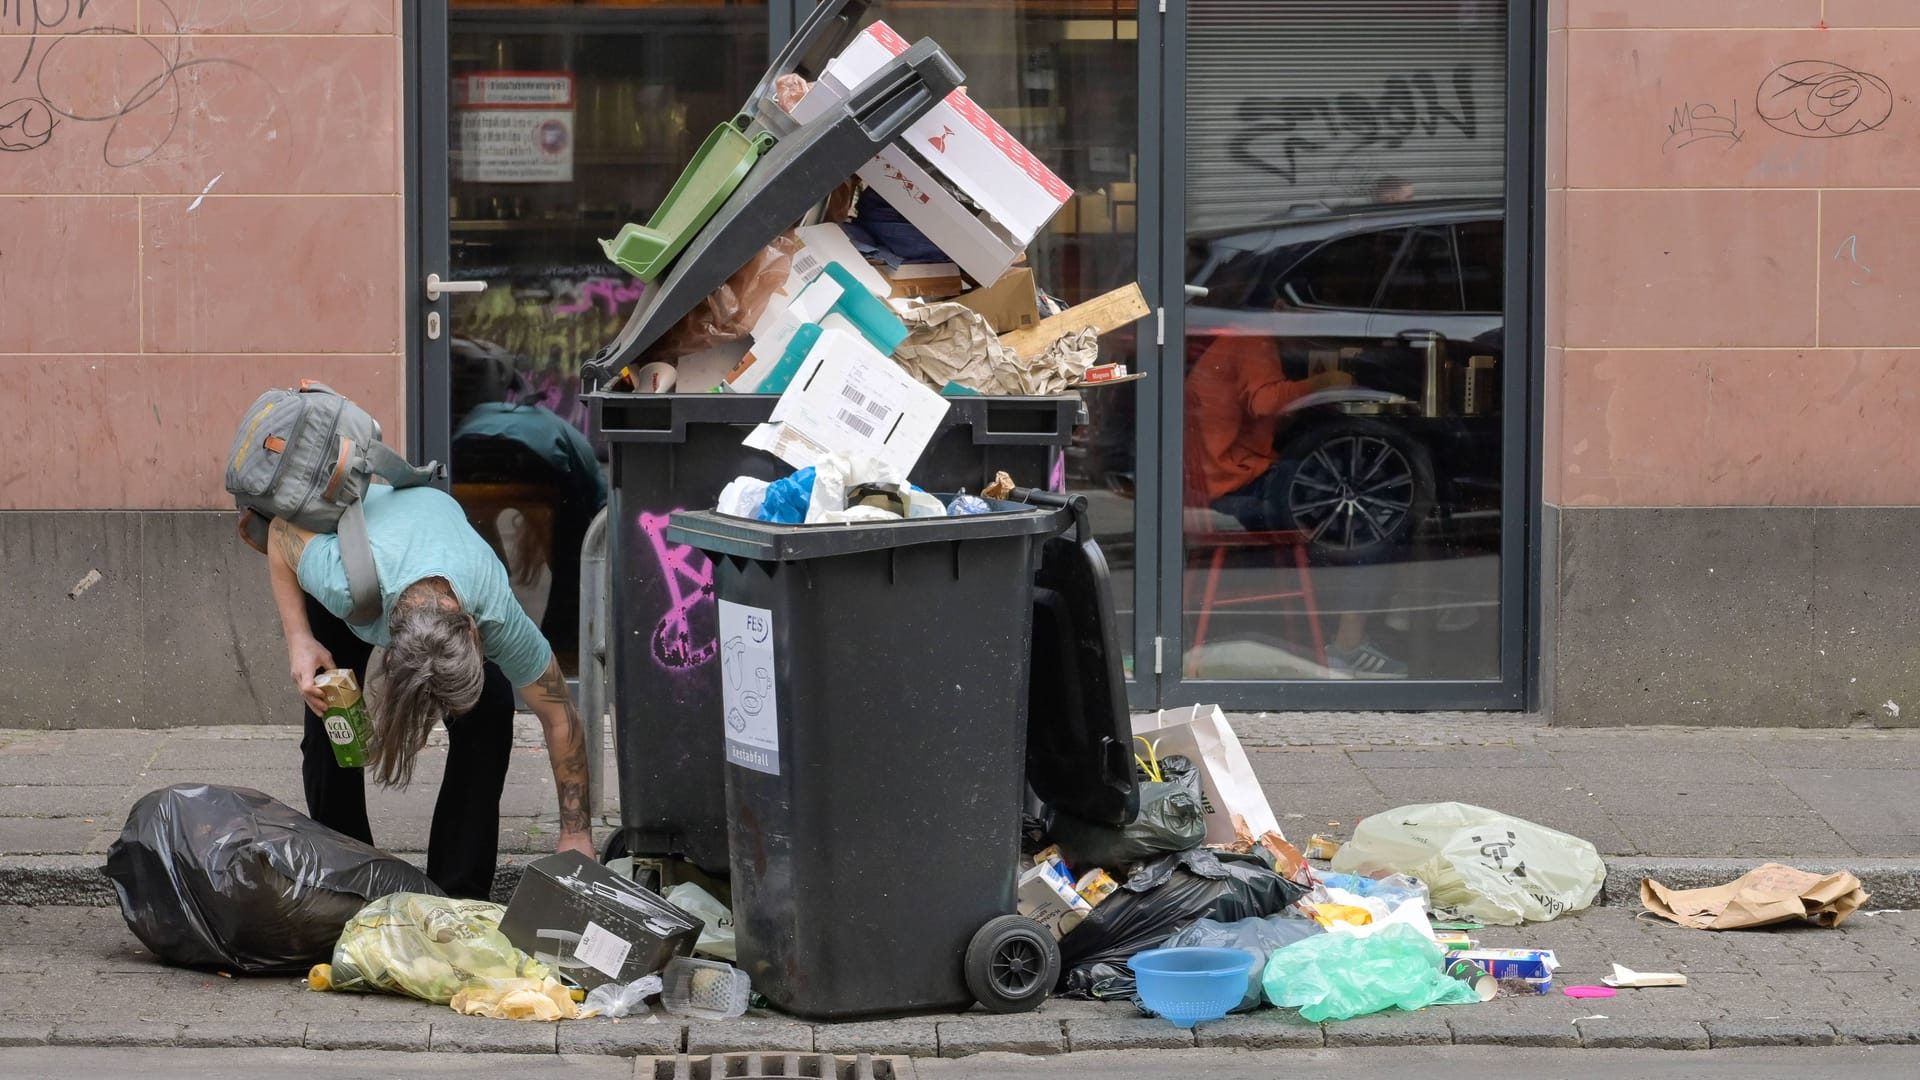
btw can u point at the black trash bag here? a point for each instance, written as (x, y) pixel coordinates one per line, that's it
(1171, 819)
(229, 879)
(1093, 957)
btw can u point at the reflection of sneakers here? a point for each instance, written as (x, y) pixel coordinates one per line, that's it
(1365, 661)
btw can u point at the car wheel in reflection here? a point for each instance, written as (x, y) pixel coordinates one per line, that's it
(1356, 487)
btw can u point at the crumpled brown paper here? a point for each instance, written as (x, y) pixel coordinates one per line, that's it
(1762, 897)
(949, 342)
(730, 312)
(517, 999)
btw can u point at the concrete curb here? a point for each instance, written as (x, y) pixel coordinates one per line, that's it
(76, 881)
(1004, 1034)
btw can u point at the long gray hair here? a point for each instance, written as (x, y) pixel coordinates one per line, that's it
(434, 670)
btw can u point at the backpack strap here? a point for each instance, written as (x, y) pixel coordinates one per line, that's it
(382, 460)
(356, 554)
(253, 528)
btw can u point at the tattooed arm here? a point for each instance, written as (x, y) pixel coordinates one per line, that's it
(567, 748)
(305, 656)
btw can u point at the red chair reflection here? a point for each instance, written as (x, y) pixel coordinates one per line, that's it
(1216, 544)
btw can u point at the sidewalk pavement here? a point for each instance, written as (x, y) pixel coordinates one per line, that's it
(1690, 806)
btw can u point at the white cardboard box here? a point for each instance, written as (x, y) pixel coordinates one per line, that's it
(1018, 193)
(848, 397)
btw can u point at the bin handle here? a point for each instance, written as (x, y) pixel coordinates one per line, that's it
(887, 105)
(1068, 504)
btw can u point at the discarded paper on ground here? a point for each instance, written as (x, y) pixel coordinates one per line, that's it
(1765, 896)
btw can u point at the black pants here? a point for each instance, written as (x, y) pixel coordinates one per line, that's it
(464, 847)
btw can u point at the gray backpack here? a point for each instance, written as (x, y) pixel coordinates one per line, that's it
(307, 456)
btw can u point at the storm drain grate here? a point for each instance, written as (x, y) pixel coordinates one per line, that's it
(775, 1065)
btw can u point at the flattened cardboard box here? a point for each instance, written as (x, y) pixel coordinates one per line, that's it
(593, 926)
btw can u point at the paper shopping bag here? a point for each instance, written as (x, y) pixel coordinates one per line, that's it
(1228, 787)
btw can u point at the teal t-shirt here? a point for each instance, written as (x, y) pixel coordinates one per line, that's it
(420, 533)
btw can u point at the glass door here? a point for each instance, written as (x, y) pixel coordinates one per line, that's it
(1350, 425)
(1065, 77)
(565, 120)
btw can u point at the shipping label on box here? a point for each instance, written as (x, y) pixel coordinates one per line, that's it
(849, 398)
(592, 926)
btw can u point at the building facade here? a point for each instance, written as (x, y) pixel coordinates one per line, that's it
(1503, 355)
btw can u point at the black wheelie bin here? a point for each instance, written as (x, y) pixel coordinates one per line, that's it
(875, 707)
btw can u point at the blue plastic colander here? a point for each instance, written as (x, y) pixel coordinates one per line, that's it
(1188, 986)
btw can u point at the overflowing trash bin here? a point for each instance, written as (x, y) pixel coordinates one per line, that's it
(676, 452)
(875, 694)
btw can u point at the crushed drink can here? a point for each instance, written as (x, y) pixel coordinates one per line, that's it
(345, 720)
(1096, 885)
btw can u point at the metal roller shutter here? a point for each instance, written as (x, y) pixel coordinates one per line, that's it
(1298, 106)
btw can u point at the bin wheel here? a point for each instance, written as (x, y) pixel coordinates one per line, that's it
(1012, 964)
(615, 847)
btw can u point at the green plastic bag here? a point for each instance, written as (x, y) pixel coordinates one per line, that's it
(428, 947)
(1339, 976)
(1478, 863)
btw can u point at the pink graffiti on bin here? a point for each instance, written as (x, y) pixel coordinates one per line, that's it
(688, 577)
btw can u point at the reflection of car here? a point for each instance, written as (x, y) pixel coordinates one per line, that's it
(1408, 300)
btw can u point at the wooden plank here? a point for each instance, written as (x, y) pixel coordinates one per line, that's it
(1104, 314)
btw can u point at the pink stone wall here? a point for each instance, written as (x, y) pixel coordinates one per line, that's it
(199, 199)
(1733, 278)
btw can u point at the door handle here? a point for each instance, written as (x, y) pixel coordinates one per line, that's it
(435, 286)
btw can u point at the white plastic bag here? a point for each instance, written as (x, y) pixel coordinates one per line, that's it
(716, 935)
(838, 473)
(1478, 863)
(743, 498)
(616, 1002)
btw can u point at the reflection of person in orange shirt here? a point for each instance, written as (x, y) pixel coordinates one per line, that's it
(1236, 393)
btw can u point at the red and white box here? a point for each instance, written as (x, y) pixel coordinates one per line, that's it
(968, 148)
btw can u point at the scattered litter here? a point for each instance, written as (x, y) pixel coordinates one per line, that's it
(1341, 976)
(516, 999)
(716, 929)
(88, 581)
(433, 948)
(1479, 863)
(220, 877)
(1228, 786)
(1762, 897)
(1625, 977)
(1191, 985)
(617, 1001)
(1321, 847)
(593, 926)
(1519, 971)
(1171, 818)
(704, 990)
(1258, 938)
(1158, 899)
